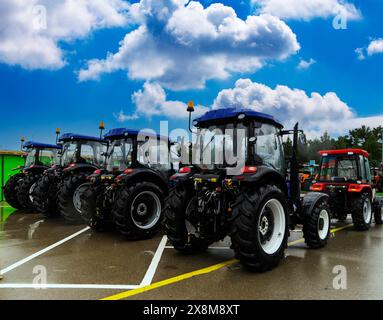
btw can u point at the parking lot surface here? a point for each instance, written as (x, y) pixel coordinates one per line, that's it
(50, 259)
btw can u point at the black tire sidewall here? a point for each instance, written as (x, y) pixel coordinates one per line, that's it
(129, 227)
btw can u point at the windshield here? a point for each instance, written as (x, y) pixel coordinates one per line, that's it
(226, 146)
(334, 167)
(120, 155)
(86, 152)
(42, 157)
(268, 146)
(154, 154)
(220, 146)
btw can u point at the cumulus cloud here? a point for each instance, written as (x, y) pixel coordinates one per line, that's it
(180, 44)
(316, 113)
(305, 64)
(307, 9)
(152, 101)
(375, 47)
(31, 30)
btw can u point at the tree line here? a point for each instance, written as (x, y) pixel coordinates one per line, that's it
(364, 137)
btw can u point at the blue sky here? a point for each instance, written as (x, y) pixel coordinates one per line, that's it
(38, 95)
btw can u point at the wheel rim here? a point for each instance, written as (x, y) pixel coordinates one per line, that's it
(31, 189)
(367, 211)
(146, 210)
(271, 226)
(77, 196)
(323, 224)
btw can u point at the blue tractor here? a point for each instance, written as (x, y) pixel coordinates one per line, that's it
(128, 194)
(19, 189)
(60, 188)
(256, 205)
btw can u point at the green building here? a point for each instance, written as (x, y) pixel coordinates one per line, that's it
(9, 160)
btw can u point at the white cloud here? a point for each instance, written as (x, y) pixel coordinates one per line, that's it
(360, 53)
(307, 9)
(152, 101)
(375, 47)
(31, 30)
(181, 44)
(316, 113)
(303, 64)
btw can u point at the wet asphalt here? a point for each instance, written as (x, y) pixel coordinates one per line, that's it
(109, 259)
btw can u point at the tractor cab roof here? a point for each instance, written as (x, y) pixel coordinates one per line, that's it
(66, 137)
(120, 133)
(228, 115)
(34, 144)
(362, 152)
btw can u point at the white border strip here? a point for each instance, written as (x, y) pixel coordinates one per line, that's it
(66, 286)
(148, 278)
(39, 253)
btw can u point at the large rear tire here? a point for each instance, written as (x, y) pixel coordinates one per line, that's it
(137, 211)
(45, 197)
(317, 223)
(69, 196)
(362, 212)
(179, 211)
(11, 189)
(25, 191)
(260, 230)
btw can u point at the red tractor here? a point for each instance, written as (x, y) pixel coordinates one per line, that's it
(345, 176)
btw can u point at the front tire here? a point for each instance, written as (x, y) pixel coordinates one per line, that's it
(260, 230)
(317, 224)
(181, 204)
(137, 210)
(69, 197)
(11, 189)
(362, 212)
(93, 210)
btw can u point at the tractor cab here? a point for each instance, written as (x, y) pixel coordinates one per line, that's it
(229, 138)
(82, 151)
(40, 156)
(345, 175)
(347, 169)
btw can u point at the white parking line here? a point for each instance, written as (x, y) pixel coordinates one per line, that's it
(39, 253)
(148, 278)
(66, 286)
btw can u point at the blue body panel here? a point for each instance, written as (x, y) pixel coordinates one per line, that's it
(33, 144)
(119, 133)
(232, 113)
(76, 137)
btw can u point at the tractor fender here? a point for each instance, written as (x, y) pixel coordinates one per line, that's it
(310, 200)
(35, 169)
(145, 174)
(80, 167)
(264, 175)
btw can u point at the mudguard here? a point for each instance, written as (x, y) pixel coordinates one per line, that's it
(310, 200)
(80, 167)
(263, 173)
(143, 174)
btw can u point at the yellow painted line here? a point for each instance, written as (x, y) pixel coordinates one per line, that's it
(195, 273)
(166, 282)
